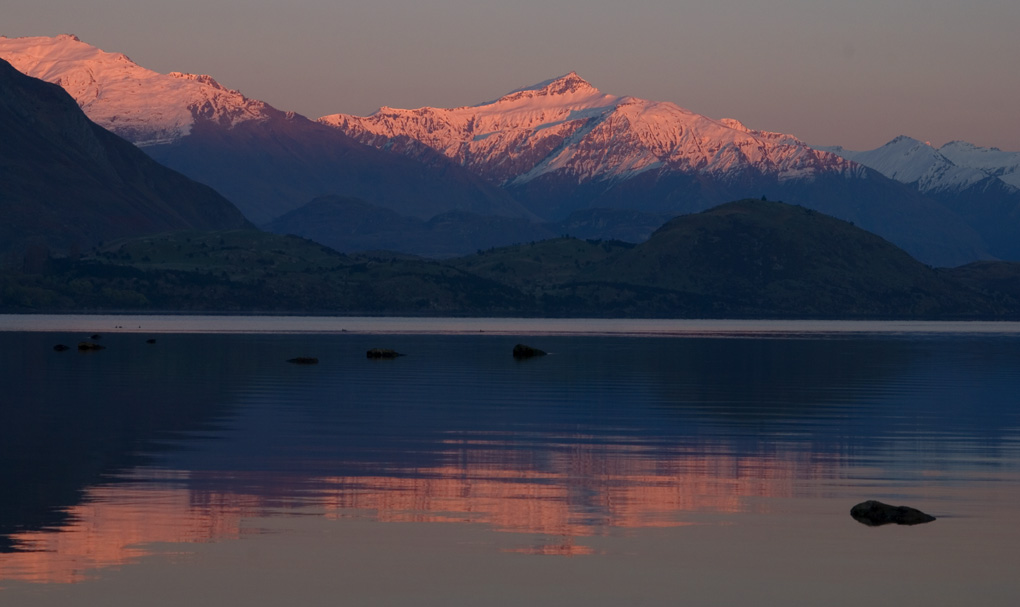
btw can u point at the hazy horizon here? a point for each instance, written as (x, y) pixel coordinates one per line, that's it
(855, 76)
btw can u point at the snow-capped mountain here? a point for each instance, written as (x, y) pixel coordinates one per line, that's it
(68, 183)
(953, 167)
(562, 145)
(266, 161)
(540, 152)
(566, 126)
(982, 185)
(140, 105)
(915, 162)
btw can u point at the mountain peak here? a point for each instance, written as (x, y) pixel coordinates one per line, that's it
(566, 84)
(908, 140)
(917, 163)
(964, 145)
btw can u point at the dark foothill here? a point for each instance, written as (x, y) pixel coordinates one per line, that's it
(382, 353)
(523, 351)
(61, 348)
(304, 360)
(89, 346)
(874, 513)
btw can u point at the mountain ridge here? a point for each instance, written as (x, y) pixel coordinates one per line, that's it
(265, 160)
(562, 146)
(919, 163)
(540, 152)
(981, 185)
(68, 183)
(553, 124)
(139, 104)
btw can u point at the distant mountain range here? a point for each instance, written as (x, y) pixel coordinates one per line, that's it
(956, 166)
(492, 174)
(173, 244)
(982, 185)
(68, 184)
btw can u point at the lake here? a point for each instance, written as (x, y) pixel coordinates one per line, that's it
(638, 463)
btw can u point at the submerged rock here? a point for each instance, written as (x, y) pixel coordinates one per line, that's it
(523, 351)
(61, 348)
(89, 346)
(874, 513)
(150, 341)
(382, 353)
(95, 336)
(304, 360)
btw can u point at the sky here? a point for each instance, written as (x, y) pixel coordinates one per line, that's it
(855, 74)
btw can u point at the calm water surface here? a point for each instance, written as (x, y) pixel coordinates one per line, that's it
(640, 463)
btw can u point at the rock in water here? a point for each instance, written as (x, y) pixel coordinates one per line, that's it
(874, 513)
(382, 353)
(89, 346)
(61, 348)
(304, 360)
(523, 351)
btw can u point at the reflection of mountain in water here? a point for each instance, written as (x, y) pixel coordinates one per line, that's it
(588, 492)
(72, 419)
(113, 526)
(605, 432)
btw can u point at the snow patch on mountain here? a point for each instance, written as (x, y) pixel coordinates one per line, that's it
(993, 161)
(567, 126)
(141, 105)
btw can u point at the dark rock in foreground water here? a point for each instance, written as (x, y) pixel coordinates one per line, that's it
(523, 351)
(382, 353)
(304, 360)
(150, 341)
(89, 346)
(61, 348)
(874, 513)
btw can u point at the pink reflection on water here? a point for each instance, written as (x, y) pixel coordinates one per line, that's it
(554, 502)
(115, 525)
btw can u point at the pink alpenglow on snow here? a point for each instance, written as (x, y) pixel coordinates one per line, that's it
(140, 105)
(567, 125)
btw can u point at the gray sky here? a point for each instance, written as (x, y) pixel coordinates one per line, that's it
(850, 73)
